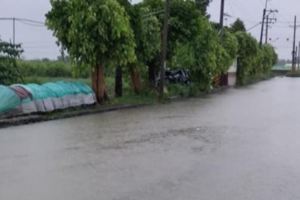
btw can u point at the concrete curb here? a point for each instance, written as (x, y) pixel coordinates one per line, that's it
(63, 114)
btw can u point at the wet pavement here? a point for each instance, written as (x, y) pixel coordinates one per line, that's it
(239, 144)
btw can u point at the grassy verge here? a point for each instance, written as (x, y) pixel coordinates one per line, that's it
(295, 74)
(146, 97)
(41, 80)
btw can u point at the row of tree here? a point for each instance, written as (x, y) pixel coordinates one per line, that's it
(114, 33)
(9, 70)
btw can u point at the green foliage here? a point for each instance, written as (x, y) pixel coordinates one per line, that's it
(45, 68)
(206, 46)
(247, 57)
(42, 80)
(191, 90)
(184, 22)
(226, 52)
(230, 43)
(206, 54)
(93, 32)
(9, 70)
(145, 97)
(154, 5)
(202, 5)
(195, 44)
(184, 56)
(146, 28)
(254, 63)
(237, 26)
(115, 32)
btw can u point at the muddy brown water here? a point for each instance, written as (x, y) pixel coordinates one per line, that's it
(239, 144)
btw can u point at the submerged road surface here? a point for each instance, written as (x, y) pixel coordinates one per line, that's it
(242, 144)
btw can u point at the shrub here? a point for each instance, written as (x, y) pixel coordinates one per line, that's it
(45, 68)
(254, 63)
(9, 69)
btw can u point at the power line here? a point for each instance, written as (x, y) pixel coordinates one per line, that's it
(29, 22)
(252, 27)
(32, 24)
(22, 19)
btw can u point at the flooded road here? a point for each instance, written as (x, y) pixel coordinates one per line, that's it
(241, 144)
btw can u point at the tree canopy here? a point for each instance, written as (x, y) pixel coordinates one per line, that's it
(9, 70)
(238, 25)
(202, 5)
(93, 31)
(98, 32)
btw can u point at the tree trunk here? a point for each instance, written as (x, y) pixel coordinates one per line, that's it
(153, 67)
(136, 80)
(152, 76)
(119, 82)
(94, 79)
(98, 83)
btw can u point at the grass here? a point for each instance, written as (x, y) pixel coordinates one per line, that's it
(134, 99)
(294, 74)
(183, 90)
(146, 97)
(41, 80)
(129, 97)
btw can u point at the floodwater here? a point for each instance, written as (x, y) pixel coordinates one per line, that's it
(241, 144)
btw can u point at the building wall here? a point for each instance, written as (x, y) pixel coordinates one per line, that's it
(232, 74)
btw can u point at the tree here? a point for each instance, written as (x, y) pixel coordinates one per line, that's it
(94, 32)
(146, 28)
(269, 58)
(248, 55)
(147, 31)
(9, 70)
(202, 5)
(119, 69)
(194, 43)
(238, 25)
(230, 45)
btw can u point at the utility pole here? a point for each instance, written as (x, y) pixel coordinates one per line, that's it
(267, 29)
(269, 20)
(265, 10)
(299, 56)
(14, 20)
(164, 49)
(263, 25)
(14, 31)
(222, 13)
(296, 57)
(294, 46)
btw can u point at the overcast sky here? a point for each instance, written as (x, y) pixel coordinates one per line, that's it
(39, 43)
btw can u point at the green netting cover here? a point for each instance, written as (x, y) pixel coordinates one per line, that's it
(57, 89)
(8, 99)
(62, 88)
(38, 91)
(45, 97)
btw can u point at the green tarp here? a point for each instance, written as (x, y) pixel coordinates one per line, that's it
(57, 89)
(9, 100)
(74, 94)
